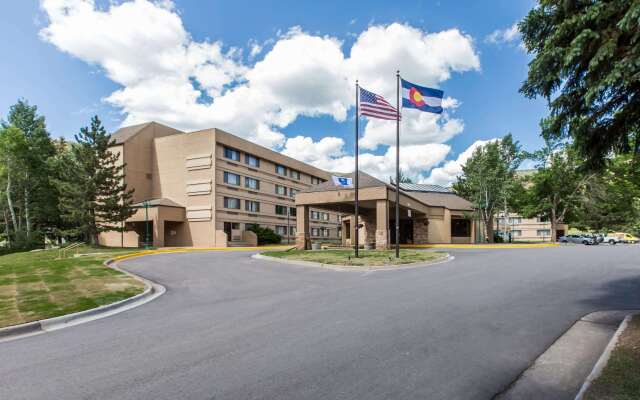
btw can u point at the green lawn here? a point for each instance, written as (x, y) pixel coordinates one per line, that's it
(620, 379)
(37, 285)
(367, 258)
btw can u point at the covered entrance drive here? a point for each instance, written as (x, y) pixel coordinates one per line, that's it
(159, 223)
(376, 209)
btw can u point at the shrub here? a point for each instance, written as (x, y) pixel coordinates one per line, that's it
(266, 235)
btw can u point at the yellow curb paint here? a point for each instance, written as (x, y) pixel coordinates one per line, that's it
(480, 246)
(187, 250)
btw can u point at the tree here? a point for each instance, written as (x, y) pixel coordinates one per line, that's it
(13, 148)
(554, 190)
(611, 200)
(39, 198)
(94, 197)
(487, 178)
(586, 65)
(403, 179)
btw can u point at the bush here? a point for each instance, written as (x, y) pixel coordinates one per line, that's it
(266, 235)
(497, 238)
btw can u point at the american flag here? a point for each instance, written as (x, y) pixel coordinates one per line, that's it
(373, 105)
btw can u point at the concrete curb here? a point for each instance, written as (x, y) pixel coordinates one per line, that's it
(152, 290)
(481, 246)
(560, 371)
(387, 267)
(196, 249)
(604, 358)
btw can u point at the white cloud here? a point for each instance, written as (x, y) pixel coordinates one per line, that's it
(447, 174)
(167, 76)
(509, 35)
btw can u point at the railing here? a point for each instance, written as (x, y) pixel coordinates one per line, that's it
(62, 253)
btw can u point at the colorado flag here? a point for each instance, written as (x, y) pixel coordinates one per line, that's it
(421, 98)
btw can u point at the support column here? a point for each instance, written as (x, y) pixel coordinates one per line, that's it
(382, 225)
(303, 240)
(158, 231)
(420, 230)
(368, 230)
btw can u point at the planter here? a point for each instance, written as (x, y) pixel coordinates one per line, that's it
(368, 246)
(315, 246)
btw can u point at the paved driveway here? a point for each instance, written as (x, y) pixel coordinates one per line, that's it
(231, 327)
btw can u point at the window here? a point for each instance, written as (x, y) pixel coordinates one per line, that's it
(314, 180)
(294, 174)
(281, 169)
(516, 233)
(281, 190)
(292, 192)
(292, 231)
(281, 210)
(543, 219)
(231, 178)
(315, 232)
(325, 232)
(252, 206)
(250, 227)
(339, 217)
(515, 220)
(281, 230)
(543, 232)
(231, 154)
(251, 183)
(231, 202)
(339, 232)
(315, 215)
(460, 227)
(325, 216)
(322, 216)
(293, 211)
(252, 160)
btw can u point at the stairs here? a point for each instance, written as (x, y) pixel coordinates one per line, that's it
(238, 243)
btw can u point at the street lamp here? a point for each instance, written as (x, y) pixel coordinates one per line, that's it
(146, 219)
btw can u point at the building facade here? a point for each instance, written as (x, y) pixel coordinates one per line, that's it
(536, 229)
(207, 188)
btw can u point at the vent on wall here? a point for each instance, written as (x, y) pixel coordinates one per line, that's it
(198, 161)
(198, 187)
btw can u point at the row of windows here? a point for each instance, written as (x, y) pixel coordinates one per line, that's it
(282, 229)
(254, 206)
(254, 161)
(254, 184)
(321, 232)
(322, 216)
(518, 220)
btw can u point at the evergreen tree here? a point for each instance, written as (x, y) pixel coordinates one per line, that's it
(13, 148)
(94, 197)
(586, 65)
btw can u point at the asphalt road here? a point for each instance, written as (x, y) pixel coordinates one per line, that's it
(232, 327)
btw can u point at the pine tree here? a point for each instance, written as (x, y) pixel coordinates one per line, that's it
(94, 196)
(585, 63)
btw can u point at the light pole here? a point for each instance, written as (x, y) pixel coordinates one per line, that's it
(146, 219)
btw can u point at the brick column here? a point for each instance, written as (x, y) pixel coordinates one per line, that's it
(303, 240)
(420, 230)
(382, 225)
(368, 230)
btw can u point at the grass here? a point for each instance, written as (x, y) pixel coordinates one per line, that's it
(367, 258)
(37, 285)
(620, 379)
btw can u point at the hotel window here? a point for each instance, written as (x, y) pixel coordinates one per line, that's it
(543, 232)
(516, 233)
(292, 192)
(339, 232)
(339, 217)
(294, 174)
(325, 216)
(231, 178)
(231, 154)
(281, 210)
(250, 227)
(281, 170)
(252, 206)
(281, 230)
(315, 232)
(315, 215)
(314, 180)
(325, 232)
(252, 160)
(231, 202)
(293, 211)
(292, 231)
(252, 183)
(515, 221)
(543, 219)
(281, 190)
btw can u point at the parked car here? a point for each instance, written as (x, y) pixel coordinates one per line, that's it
(584, 239)
(626, 237)
(610, 238)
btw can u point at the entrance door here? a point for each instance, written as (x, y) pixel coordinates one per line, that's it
(227, 230)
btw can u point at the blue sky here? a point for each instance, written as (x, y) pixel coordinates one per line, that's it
(73, 68)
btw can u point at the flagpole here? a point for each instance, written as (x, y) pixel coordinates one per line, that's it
(356, 174)
(398, 164)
